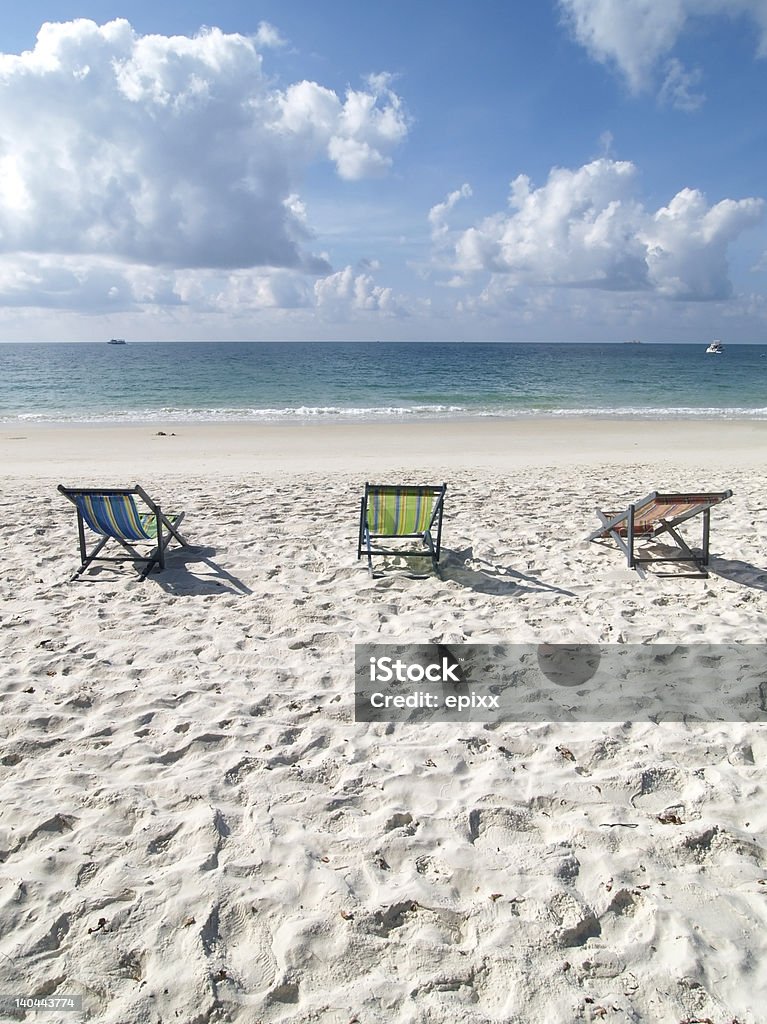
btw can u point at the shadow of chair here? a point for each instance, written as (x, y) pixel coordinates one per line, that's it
(484, 577)
(743, 573)
(189, 572)
(194, 571)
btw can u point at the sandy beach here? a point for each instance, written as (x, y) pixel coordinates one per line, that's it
(215, 449)
(195, 829)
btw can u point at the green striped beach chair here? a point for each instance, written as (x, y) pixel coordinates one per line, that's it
(389, 511)
(658, 514)
(112, 514)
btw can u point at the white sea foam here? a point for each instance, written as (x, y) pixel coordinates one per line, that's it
(305, 413)
(226, 415)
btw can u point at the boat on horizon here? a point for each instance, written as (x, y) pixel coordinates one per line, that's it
(715, 348)
(116, 341)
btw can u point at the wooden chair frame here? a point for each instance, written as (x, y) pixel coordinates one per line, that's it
(644, 519)
(432, 544)
(162, 539)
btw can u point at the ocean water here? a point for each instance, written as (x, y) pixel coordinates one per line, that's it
(174, 382)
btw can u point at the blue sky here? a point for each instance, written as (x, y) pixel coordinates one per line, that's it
(565, 170)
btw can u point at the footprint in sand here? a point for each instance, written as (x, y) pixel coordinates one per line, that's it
(244, 944)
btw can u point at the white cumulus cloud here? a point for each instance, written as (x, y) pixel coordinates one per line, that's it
(587, 228)
(438, 214)
(358, 134)
(110, 286)
(346, 291)
(679, 85)
(269, 36)
(173, 151)
(686, 244)
(637, 36)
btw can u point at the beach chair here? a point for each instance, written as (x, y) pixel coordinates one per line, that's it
(112, 513)
(389, 511)
(659, 514)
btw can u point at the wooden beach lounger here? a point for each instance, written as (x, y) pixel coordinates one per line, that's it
(659, 514)
(112, 513)
(390, 511)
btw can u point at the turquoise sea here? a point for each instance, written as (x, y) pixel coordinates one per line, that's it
(220, 381)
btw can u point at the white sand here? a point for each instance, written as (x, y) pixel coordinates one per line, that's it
(217, 449)
(179, 759)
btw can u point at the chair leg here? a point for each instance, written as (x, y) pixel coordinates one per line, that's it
(81, 537)
(361, 538)
(160, 545)
(688, 555)
(434, 556)
(151, 563)
(157, 556)
(172, 528)
(369, 551)
(86, 558)
(630, 537)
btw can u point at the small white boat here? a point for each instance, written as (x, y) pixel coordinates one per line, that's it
(715, 348)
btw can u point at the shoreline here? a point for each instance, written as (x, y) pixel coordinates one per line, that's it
(215, 449)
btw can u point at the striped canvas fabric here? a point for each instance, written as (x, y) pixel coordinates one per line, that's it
(647, 519)
(394, 512)
(116, 515)
(668, 507)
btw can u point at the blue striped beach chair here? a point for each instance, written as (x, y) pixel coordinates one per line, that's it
(389, 511)
(112, 514)
(659, 514)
